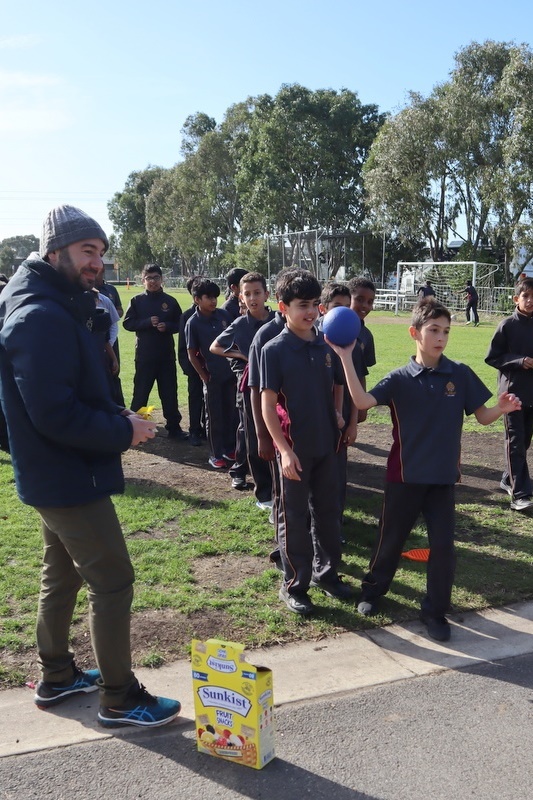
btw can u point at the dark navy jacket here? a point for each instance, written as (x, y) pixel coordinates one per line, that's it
(511, 343)
(151, 344)
(65, 432)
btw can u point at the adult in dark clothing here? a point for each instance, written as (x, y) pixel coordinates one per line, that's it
(154, 316)
(472, 300)
(232, 306)
(67, 436)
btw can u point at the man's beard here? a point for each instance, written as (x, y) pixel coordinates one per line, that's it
(66, 267)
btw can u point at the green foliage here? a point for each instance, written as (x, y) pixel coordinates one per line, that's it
(22, 246)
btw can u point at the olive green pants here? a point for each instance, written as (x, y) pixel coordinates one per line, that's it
(85, 544)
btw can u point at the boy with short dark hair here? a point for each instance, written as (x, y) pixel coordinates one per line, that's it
(231, 306)
(154, 316)
(195, 392)
(363, 293)
(297, 380)
(428, 399)
(203, 327)
(511, 353)
(234, 344)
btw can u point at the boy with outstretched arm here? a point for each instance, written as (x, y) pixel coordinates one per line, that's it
(428, 399)
(511, 352)
(234, 343)
(299, 411)
(363, 293)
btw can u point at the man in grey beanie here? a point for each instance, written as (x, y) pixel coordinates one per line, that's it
(66, 437)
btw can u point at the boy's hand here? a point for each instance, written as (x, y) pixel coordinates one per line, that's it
(154, 321)
(265, 447)
(341, 351)
(290, 465)
(350, 434)
(507, 403)
(527, 363)
(340, 420)
(161, 327)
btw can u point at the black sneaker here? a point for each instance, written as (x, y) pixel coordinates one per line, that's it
(50, 694)
(195, 440)
(140, 708)
(297, 602)
(438, 627)
(337, 588)
(178, 434)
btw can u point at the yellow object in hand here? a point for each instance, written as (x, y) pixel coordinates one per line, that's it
(146, 412)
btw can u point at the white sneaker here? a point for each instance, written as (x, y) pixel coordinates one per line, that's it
(506, 488)
(522, 503)
(266, 505)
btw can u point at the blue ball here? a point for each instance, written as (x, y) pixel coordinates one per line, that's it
(341, 325)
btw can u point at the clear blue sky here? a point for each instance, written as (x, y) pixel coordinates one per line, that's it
(91, 92)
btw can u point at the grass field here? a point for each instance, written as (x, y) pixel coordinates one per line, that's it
(171, 533)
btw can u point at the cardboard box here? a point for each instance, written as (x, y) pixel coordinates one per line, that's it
(233, 704)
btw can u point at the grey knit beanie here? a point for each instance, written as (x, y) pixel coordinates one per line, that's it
(65, 225)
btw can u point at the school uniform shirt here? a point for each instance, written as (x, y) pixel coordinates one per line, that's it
(427, 409)
(231, 307)
(511, 343)
(302, 374)
(201, 331)
(151, 344)
(239, 336)
(265, 334)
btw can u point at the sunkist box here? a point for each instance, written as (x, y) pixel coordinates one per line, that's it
(233, 704)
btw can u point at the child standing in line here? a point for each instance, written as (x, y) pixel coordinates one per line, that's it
(428, 399)
(363, 293)
(195, 392)
(335, 295)
(203, 327)
(297, 379)
(231, 305)
(511, 353)
(234, 344)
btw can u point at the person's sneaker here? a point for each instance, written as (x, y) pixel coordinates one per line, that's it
(240, 483)
(337, 589)
(140, 708)
(297, 602)
(438, 627)
(521, 503)
(229, 456)
(468, 323)
(366, 608)
(216, 463)
(506, 488)
(195, 440)
(178, 434)
(265, 505)
(50, 694)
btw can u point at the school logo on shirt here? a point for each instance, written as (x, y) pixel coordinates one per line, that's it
(449, 389)
(165, 306)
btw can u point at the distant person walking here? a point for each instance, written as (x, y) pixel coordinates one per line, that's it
(472, 300)
(426, 290)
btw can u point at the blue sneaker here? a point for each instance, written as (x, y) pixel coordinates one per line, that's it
(50, 694)
(140, 708)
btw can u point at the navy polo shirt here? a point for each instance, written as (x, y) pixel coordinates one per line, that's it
(201, 331)
(239, 336)
(263, 335)
(427, 409)
(302, 374)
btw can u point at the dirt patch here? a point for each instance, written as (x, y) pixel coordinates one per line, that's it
(235, 568)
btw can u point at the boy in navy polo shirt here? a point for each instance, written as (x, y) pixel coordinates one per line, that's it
(363, 293)
(234, 344)
(203, 327)
(299, 411)
(428, 399)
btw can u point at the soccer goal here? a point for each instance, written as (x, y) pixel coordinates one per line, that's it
(448, 279)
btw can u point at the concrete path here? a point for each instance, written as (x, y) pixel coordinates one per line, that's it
(301, 671)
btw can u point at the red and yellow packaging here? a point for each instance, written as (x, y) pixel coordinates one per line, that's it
(233, 704)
